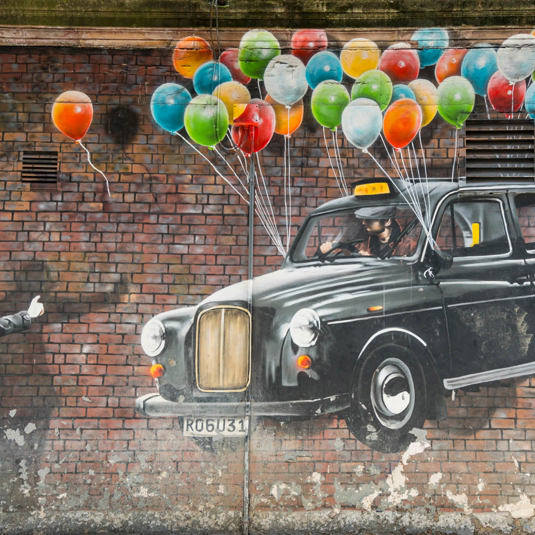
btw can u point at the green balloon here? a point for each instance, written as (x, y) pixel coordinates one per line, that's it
(375, 85)
(455, 99)
(206, 120)
(328, 102)
(257, 49)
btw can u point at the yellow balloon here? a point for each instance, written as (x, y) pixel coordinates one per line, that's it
(235, 96)
(358, 56)
(426, 96)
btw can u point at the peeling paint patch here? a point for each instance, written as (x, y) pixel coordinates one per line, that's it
(480, 485)
(460, 500)
(434, 480)
(30, 428)
(15, 435)
(12, 413)
(42, 475)
(278, 489)
(521, 509)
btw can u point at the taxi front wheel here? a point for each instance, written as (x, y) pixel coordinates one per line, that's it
(388, 399)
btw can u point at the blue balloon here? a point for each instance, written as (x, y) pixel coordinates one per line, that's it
(529, 101)
(168, 105)
(323, 66)
(400, 91)
(209, 75)
(362, 121)
(479, 64)
(431, 44)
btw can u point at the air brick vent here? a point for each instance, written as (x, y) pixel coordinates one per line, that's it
(40, 167)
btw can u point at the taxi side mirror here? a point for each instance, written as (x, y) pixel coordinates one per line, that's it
(437, 261)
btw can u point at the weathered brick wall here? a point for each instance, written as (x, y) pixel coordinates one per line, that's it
(75, 456)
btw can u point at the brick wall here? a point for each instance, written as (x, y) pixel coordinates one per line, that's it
(171, 234)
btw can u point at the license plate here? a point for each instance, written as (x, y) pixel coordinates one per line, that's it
(211, 427)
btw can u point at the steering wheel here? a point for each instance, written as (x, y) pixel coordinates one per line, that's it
(340, 246)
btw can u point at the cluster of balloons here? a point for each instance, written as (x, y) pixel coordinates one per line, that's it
(387, 92)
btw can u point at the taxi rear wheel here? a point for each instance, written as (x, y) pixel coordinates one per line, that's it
(388, 399)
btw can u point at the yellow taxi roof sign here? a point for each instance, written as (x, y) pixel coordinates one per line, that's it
(371, 188)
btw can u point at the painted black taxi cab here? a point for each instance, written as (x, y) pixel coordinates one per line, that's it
(387, 300)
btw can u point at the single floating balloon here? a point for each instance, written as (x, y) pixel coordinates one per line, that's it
(328, 102)
(425, 93)
(287, 118)
(72, 113)
(254, 128)
(229, 58)
(206, 120)
(455, 99)
(257, 48)
(362, 121)
(209, 75)
(323, 66)
(358, 56)
(431, 44)
(375, 85)
(505, 96)
(450, 64)
(306, 43)
(516, 57)
(285, 79)
(479, 64)
(189, 54)
(401, 123)
(400, 62)
(235, 96)
(168, 106)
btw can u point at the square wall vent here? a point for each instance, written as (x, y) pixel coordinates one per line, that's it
(40, 168)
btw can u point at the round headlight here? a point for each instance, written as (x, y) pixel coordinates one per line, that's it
(153, 338)
(305, 327)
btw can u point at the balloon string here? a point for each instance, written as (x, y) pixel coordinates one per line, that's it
(95, 168)
(289, 231)
(331, 163)
(487, 106)
(339, 161)
(454, 157)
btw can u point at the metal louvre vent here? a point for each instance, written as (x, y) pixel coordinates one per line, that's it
(223, 351)
(500, 149)
(40, 167)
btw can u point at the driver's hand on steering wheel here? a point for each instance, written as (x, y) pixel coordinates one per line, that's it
(326, 247)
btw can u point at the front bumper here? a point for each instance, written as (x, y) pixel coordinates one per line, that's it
(156, 405)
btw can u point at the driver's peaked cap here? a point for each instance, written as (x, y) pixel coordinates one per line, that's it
(375, 212)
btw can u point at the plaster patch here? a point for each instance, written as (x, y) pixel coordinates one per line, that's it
(42, 475)
(30, 428)
(25, 488)
(12, 413)
(521, 509)
(434, 480)
(15, 435)
(480, 485)
(367, 502)
(339, 444)
(278, 489)
(460, 500)
(315, 478)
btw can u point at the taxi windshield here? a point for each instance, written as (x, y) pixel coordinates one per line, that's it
(379, 231)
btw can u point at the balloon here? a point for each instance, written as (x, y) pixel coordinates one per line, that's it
(426, 96)
(206, 120)
(361, 122)
(72, 114)
(257, 49)
(168, 105)
(328, 102)
(323, 66)
(516, 57)
(478, 66)
(431, 43)
(449, 63)
(208, 76)
(358, 56)
(235, 97)
(189, 54)
(400, 91)
(305, 43)
(287, 118)
(455, 99)
(505, 96)
(375, 85)
(254, 128)
(229, 58)
(402, 121)
(529, 101)
(400, 62)
(285, 79)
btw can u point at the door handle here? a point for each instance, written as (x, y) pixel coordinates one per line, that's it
(522, 279)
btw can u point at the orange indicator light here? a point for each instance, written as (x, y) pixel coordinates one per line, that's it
(157, 370)
(376, 308)
(304, 362)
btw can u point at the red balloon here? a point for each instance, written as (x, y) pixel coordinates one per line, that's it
(229, 58)
(400, 62)
(449, 64)
(72, 114)
(402, 121)
(254, 128)
(305, 43)
(505, 96)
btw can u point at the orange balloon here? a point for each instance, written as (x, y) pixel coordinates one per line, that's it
(235, 96)
(72, 114)
(402, 121)
(287, 120)
(189, 54)
(449, 64)
(358, 56)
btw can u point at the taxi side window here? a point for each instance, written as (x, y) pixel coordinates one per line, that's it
(473, 228)
(525, 210)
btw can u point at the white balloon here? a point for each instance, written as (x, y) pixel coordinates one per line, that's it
(285, 79)
(362, 121)
(516, 57)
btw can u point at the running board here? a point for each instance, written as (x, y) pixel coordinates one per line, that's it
(490, 376)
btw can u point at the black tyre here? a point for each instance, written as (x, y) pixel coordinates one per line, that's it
(388, 399)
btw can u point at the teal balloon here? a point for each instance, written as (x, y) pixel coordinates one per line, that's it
(328, 102)
(323, 66)
(257, 48)
(529, 101)
(400, 91)
(168, 106)
(209, 75)
(455, 99)
(362, 121)
(206, 120)
(479, 64)
(432, 42)
(375, 85)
